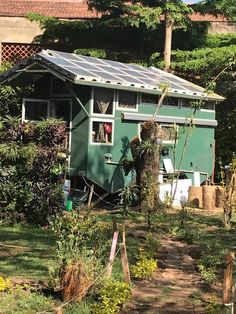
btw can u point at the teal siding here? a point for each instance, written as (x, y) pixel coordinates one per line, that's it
(90, 158)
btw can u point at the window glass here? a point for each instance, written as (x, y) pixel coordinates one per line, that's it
(36, 110)
(210, 105)
(60, 109)
(169, 133)
(186, 103)
(102, 132)
(127, 100)
(149, 99)
(171, 101)
(103, 101)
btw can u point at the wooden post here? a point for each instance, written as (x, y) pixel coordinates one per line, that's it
(124, 261)
(90, 196)
(112, 253)
(114, 223)
(228, 278)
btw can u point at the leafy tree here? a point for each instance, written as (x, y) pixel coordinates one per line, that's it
(201, 65)
(147, 12)
(224, 7)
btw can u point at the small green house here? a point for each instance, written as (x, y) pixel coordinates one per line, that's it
(104, 103)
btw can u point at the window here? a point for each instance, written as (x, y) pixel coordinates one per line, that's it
(59, 88)
(60, 109)
(170, 133)
(167, 133)
(102, 132)
(149, 99)
(186, 103)
(208, 105)
(171, 101)
(35, 109)
(127, 100)
(103, 101)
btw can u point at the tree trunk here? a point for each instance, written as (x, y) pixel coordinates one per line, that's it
(168, 41)
(147, 161)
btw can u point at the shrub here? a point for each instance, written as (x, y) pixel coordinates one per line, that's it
(5, 284)
(143, 268)
(208, 274)
(112, 296)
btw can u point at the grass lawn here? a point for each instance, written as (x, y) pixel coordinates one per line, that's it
(27, 251)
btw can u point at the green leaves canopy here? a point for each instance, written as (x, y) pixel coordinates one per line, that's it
(147, 12)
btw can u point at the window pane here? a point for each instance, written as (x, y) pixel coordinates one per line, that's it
(127, 100)
(60, 109)
(169, 133)
(149, 99)
(103, 101)
(186, 103)
(35, 110)
(102, 132)
(171, 101)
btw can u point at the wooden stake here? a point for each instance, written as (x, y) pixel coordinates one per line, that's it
(90, 196)
(114, 223)
(228, 278)
(112, 253)
(124, 260)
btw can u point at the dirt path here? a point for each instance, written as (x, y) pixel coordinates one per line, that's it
(175, 287)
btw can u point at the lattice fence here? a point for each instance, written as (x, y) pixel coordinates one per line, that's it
(14, 52)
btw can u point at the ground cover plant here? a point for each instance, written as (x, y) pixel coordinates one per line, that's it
(206, 232)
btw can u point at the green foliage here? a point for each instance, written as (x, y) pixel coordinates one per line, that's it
(206, 62)
(224, 7)
(220, 40)
(30, 163)
(76, 233)
(111, 297)
(128, 196)
(143, 268)
(208, 274)
(92, 52)
(145, 260)
(78, 239)
(21, 301)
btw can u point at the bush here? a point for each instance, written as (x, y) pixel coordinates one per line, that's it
(208, 274)
(112, 296)
(92, 52)
(5, 284)
(143, 268)
(30, 169)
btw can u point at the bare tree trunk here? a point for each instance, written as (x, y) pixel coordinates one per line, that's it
(147, 161)
(168, 40)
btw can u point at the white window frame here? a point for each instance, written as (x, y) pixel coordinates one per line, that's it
(138, 98)
(33, 100)
(161, 124)
(57, 94)
(103, 115)
(112, 121)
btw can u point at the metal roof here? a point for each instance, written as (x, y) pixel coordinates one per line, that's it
(111, 74)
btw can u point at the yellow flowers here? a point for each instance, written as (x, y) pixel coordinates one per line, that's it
(5, 284)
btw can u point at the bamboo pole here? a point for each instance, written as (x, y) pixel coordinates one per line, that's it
(124, 260)
(112, 253)
(228, 278)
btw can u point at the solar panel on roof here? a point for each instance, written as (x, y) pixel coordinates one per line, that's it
(112, 72)
(80, 72)
(105, 75)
